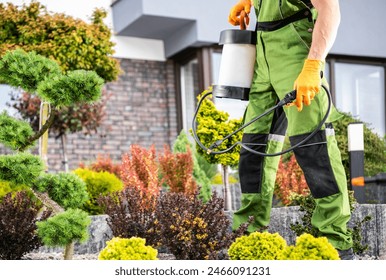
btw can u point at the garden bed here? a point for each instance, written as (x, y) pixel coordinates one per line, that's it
(373, 233)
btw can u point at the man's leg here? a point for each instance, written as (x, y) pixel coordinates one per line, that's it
(321, 163)
(257, 173)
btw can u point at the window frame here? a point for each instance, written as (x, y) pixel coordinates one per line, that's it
(204, 62)
(371, 61)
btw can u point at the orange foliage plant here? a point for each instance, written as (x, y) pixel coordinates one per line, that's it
(140, 170)
(290, 180)
(177, 171)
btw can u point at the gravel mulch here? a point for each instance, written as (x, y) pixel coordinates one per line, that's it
(161, 256)
(59, 256)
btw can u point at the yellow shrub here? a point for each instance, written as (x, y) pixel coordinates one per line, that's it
(257, 246)
(133, 248)
(268, 246)
(309, 247)
(97, 183)
(7, 187)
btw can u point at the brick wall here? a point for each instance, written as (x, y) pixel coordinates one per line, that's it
(141, 110)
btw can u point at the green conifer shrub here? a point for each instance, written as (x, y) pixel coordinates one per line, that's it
(40, 75)
(14, 133)
(66, 189)
(21, 168)
(75, 87)
(27, 70)
(64, 228)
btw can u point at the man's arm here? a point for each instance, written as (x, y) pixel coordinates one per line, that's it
(326, 28)
(309, 80)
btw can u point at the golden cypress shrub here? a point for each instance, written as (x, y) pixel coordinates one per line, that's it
(133, 248)
(309, 247)
(257, 246)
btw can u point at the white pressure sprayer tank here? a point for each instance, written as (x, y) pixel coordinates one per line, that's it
(237, 64)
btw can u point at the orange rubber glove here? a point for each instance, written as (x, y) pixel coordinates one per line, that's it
(243, 7)
(308, 82)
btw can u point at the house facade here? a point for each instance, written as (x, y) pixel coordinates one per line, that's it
(169, 53)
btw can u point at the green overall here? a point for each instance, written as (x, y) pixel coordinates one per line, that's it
(280, 57)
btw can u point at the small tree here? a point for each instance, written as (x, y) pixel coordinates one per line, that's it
(69, 224)
(65, 228)
(214, 125)
(40, 75)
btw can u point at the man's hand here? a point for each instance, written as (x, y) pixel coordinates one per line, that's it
(242, 8)
(308, 82)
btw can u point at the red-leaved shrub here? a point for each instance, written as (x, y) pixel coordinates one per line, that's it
(131, 215)
(177, 171)
(18, 217)
(140, 170)
(290, 180)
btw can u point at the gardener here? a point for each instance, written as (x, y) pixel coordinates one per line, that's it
(291, 50)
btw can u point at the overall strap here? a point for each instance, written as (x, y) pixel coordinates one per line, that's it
(277, 24)
(308, 3)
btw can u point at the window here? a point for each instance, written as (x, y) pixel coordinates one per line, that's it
(189, 91)
(360, 91)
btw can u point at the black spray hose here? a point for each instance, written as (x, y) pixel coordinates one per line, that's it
(288, 98)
